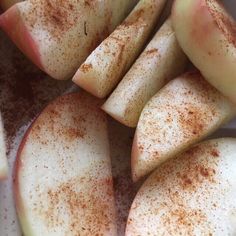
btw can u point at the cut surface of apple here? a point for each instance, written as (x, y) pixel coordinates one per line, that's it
(3, 158)
(63, 181)
(193, 194)
(161, 61)
(185, 111)
(5, 4)
(207, 34)
(106, 65)
(58, 35)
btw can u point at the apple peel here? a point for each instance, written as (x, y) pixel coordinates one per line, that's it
(63, 181)
(207, 34)
(181, 114)
(192, 194)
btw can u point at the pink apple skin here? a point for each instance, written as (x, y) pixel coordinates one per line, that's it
(182, 113)
(191, 194)
(16, 187)
(11, 22)
(207, 34)
(91, 171)
(59, 35)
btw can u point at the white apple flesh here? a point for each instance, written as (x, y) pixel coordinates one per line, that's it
(106, 65)
(184, 112)
(193, 194)
(63, 181)
(3, 158)
(162, 60)
(207, 34)
(58, 35)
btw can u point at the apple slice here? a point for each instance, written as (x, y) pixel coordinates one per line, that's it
(3, 158)
(193, 194)
(63, 181)
(58, 35)
(161, 61)
(106, 65)
(207, 34)
(5, 4)
(185, 111)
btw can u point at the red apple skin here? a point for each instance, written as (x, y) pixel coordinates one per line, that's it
(17, 167)
(16, 171)
(19, 164)
(207, 34)
(59, 37)
(20, 35)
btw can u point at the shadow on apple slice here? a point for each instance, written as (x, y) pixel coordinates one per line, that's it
(63, 181)
(121, 138)
(193, 194)
(3, 158)
(184, 112)
(108, 63)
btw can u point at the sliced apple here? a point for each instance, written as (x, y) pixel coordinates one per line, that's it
(3, 158)
(58, 35)
(161, 61)
(193, 194)
(185, 111)
(63, 181)
(5, 4)
(106, 65)
(207, 34)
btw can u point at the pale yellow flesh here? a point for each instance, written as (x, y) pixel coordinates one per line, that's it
(161, 61)
(185, 111)
(193, 194)
(3, 158)
(207, 34)
(106, 65)
(63, 181)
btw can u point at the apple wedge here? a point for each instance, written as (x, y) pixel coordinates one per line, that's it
(193, 194)
(63, 181)
(5, 4)
(58, 35)
(106, 65)
(161, 61)
(3, 158)
(185, 111)
(207, 34)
